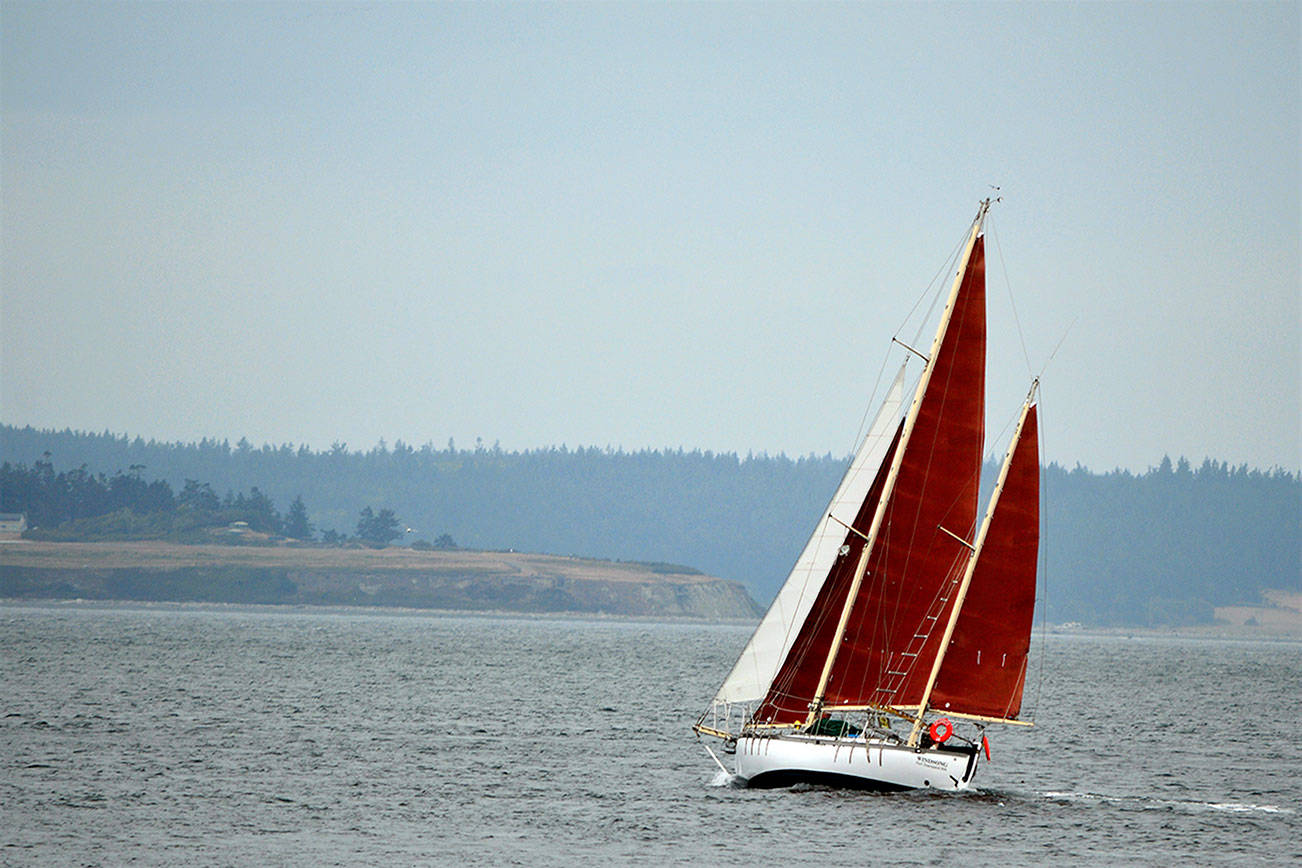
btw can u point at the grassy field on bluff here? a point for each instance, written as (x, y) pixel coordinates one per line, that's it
(462, 580)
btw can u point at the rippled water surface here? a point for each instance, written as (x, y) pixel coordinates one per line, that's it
(162, 736)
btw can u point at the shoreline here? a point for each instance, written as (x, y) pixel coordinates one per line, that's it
(1209, 632)
(217, 607)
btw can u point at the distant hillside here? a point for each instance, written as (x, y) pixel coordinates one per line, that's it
(1159, 548)
(473, 581)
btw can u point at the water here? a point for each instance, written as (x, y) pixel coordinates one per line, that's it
(169, 735)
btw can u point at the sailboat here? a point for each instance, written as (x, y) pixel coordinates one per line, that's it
(903, 630)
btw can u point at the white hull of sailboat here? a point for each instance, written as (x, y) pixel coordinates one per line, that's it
(781, 760)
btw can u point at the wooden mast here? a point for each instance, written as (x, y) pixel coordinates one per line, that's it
(971, 568)
(879, 513)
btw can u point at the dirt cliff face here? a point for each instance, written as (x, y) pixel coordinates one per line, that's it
(714, 599)
(470, 581)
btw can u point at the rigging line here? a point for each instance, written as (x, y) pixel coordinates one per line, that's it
(787, 638)
(1008, 284)
(951, 265)
(1044, 563)
(819, 615)
(933, 290)
(874, 618)
(782, 686)
(1057, 346)
(868, 408)
(998, 440)
(1021, 677)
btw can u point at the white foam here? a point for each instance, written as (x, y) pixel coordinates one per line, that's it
(1232, 807)
(722, 779)
(1245, 808)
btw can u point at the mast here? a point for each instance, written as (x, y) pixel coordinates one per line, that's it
(879, 513)
(971, 567)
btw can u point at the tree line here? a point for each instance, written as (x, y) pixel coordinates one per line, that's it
(1159, 547)
(77, 504)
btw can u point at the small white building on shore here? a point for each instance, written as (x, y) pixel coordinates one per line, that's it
(12, 525)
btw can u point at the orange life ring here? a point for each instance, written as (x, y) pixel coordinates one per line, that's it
(941, 730)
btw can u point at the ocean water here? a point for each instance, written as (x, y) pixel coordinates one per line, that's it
(190, 735)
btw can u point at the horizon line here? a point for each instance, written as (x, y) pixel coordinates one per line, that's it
(428, 447)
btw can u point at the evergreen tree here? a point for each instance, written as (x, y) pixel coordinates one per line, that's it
(377, 529)
(258, 510)
(296, 523)
(198, 497)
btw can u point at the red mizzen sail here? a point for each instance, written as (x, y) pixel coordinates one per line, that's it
(985, 666)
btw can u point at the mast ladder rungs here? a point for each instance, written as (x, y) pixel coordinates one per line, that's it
(908, 653)
(893, 672)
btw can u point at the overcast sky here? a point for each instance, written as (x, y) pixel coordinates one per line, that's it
(646, 225)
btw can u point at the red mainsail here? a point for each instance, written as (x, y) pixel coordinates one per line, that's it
(896, 623)
(985, 666)
(892, 637)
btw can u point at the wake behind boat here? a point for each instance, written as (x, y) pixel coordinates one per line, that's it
(904, 628)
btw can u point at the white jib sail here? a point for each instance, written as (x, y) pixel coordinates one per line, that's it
(758, 664)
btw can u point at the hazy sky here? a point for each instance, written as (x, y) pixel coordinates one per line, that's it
(646, 225)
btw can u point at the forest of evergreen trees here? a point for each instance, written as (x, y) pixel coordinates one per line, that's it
(78, 505)
(1161, 547)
